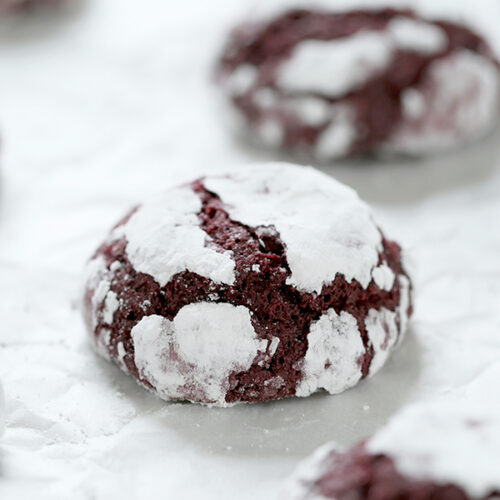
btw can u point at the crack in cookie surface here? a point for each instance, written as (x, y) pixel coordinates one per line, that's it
(360, 117)
(280, 313)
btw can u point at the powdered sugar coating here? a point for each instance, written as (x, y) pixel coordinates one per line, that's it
(332, 359)
(298, 487)
(416, 36)
(314, 111)
(334, 67)
(338, 136)
(374, 70)
(384, 277)
(97, 278)
(242, 80)
(405, 301)
(254, 285)
(445, 449)
(313, 208)
(197, 351)
(458, 98)
(164, 238)
(383, 332)
(445, 443)
(111, 304)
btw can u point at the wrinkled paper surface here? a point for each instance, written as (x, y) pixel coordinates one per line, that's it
(106, 103)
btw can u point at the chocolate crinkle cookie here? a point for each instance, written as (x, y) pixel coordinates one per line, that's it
(268, 282)
(20, 5)
(329, 84)
(429, 452)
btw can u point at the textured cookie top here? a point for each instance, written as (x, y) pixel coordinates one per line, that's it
(267, 282)
(164, 237)
(338, 82)
(326, 229)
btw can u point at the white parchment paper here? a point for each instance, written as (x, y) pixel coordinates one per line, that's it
(107, 102)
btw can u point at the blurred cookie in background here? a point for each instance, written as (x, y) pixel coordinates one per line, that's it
(428, 452)
(18, 5)
(327, 84)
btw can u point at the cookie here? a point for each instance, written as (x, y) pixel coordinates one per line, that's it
(19, 5)
(269, 282)
(326, 84)
(426, 453)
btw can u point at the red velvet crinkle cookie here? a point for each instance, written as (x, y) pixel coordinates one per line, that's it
(264, 283)
(333, 84)
(14, 5)
(426, 453)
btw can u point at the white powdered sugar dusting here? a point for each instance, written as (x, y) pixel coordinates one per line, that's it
(384, 277)
(102, 343)
(264, 98)
(445, 443)
(273, 346)
(418, 36)
(270, 132)
(242, 80)
(338, 137)
(383, 331)
(334, 67)
(311, 209)
(120, 349)
(165, 238)
(197, 351)
(98, 279)
(299, 486)
(404, 303)
(311, 110)
(94, 272)
(332, 358)
(111, 304)
(458, 100)
(153, 339)
(413, 104)
(139, 113)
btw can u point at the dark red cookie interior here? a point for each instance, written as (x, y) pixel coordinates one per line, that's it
(277, 309)
(377, 104)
